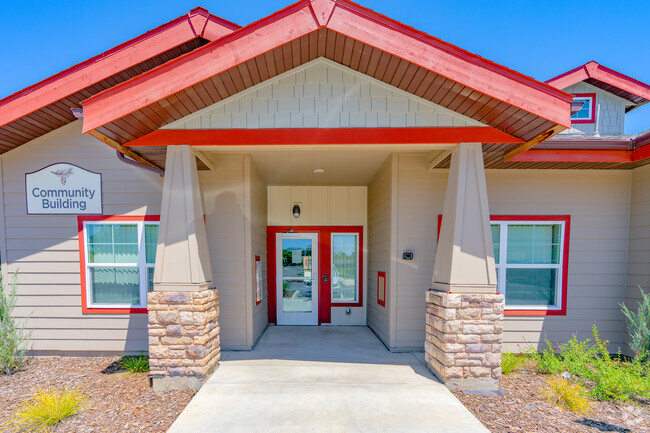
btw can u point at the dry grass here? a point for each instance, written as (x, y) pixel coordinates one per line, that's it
(566, 395)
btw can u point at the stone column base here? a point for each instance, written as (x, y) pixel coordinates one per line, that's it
(464, 338)
(184, 346)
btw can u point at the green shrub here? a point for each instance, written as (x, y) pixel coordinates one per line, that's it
(589, 363)
(45, 409)
(135, 364)
(566, 395)
(13, 337)
(512, 361)
(638, 325)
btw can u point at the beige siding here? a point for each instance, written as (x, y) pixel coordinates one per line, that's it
(598, 204)
(258, 212)
(45, 249)
(380, 221)
(321, 94)
(638, 267)
(224, 199)
(325, 206)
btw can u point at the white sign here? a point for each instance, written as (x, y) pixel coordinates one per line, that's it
(63, 189)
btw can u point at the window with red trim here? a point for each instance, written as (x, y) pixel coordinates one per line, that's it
(117, 256)
(531, 255)
(587, 114)
(345, 268)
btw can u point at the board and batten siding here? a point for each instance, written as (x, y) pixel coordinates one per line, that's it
(44, 249)
(380, 250)
(321, 94)
(325, 206)
(258, 215)
(598, 204)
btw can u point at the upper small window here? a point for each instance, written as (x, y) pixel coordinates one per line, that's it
(587, 113)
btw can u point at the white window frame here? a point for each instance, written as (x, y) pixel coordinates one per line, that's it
(358, 261)
(591, 100)
(142, 265)
(502, 266)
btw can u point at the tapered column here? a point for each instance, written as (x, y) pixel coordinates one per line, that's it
(464, 311)
(184, 340)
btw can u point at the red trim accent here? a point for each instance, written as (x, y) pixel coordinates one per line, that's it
(82, 260)
(565, 259)
(348, 19)
(593, 108)
(324, 262)
(256, 260)
(601, 73)
(198, 23)
(641, 153)
(573, 155)
(307, 136)
(379, 289)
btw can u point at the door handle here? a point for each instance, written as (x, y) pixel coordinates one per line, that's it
(325, 278)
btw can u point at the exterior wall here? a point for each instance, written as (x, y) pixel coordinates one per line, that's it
(610, 121)
(44, 249)
(598, 204)
(258, 216)
(224, 201)
(325, 206)
(638, 266)
(381, 220)
(321, 94)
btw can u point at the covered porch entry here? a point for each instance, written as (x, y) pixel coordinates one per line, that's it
(323, 379)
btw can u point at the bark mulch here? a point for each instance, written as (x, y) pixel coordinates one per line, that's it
(117, 401)
(522, 409)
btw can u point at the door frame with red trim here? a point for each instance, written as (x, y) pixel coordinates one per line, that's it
(324, 257)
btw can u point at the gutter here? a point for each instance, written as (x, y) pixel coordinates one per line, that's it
(133, 163)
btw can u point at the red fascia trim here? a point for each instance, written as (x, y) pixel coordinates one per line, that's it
(346, 18)
(601, 73)
(641, 153)
(380, 288)
(565, 259)
(82, 260)
(593, 108)
(117, 59)
(573, 155)
(315, 136)
(324, 293)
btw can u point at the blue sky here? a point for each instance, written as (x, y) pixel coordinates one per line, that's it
(538, 38)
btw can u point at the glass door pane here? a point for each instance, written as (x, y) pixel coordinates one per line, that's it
(297, 275)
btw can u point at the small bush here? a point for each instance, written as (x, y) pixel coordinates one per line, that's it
(638, 325)
(135, 364)
(13, 337)
(548, 361)
(46, 408)
(566, 395)
(511, 361)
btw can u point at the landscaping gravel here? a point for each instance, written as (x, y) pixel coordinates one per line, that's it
(118, 402)
(521, 409)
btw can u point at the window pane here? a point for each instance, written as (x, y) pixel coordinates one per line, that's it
(533, 243)
(585, 111)
(496, 241)
(344, 268)
(150, 278)
(115, 285)
(151, 241)
(531, 287)
(112, 243)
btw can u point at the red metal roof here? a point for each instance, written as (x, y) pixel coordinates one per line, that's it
(607, 79)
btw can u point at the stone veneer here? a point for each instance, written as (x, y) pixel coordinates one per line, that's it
(183, 338)
(464, 338)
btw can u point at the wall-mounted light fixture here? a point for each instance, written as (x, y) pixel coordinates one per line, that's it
(296, 211)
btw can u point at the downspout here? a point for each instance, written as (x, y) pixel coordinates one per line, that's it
(128, 161)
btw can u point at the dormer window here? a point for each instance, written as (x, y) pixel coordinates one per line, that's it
(587, 114)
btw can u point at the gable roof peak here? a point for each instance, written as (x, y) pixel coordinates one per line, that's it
(322, 10)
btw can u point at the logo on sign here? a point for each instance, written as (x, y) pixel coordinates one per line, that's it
(63, 189)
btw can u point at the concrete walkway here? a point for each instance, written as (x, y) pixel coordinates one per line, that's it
(323, 379)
